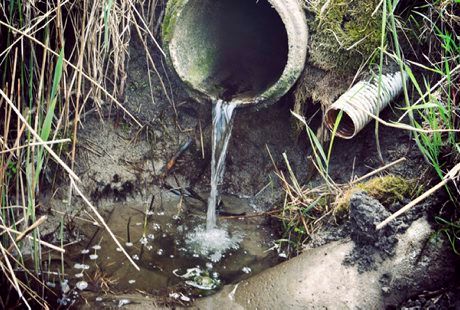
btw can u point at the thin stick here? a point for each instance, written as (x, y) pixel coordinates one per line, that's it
(102, 221)
(28, 230)
(378, 170)
(35, 144)
(450, 176)
(13, 276)
(37, 136)
(49, 245)
(93, 221)
(201, 140)
(147, 28)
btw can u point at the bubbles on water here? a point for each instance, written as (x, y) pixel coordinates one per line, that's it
(143, 240)
(81, 266)
(212, 243)
(82, 285)
(65, 286)
(246, 270)
(123, 302)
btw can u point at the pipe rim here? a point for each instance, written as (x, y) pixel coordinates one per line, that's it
(294, 20)
(346, 129)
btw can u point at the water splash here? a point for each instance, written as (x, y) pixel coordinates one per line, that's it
(212, 243)
(222, 124)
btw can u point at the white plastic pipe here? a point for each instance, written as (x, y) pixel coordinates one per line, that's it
(362, 99)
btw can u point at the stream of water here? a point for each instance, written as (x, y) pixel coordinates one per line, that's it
(222, 124)
(212, 241)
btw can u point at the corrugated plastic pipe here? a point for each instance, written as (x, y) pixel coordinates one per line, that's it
(362, 99)
(245, 51)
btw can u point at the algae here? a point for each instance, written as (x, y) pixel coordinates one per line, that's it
(170, 18)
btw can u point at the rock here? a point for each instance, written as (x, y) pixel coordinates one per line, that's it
(318, 279)
(371, 245)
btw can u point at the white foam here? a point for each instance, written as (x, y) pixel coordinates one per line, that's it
(212, 243)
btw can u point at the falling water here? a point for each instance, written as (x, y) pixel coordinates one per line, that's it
(211, 241)
(222, 123)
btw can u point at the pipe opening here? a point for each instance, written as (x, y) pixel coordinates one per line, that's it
(346, 128)
(231, 49)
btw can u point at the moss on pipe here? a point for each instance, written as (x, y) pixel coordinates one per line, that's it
(170, 18)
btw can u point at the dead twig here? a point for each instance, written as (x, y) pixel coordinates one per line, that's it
(27, 231)
(49, 245)
(366, 176)
(172, 162)
(245, 216)
(453, 173)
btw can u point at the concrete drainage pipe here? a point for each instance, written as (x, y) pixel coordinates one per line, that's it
(245, 51)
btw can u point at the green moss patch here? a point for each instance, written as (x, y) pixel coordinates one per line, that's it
(387, 189)
(344, 32)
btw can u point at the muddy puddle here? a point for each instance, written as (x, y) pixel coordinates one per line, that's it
(160, 241)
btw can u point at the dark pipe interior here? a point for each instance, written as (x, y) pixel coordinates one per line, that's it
(346, 127)
(245, 42)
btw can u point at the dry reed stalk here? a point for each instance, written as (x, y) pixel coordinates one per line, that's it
(16, 148)
(37, 136)
(67, 62)
(44, 243)
(94, 67)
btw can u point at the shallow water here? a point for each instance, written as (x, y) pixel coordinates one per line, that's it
(164, 250)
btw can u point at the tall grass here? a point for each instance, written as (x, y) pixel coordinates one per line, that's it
(57, 59)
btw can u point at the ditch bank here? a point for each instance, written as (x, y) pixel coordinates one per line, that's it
(126, 171)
